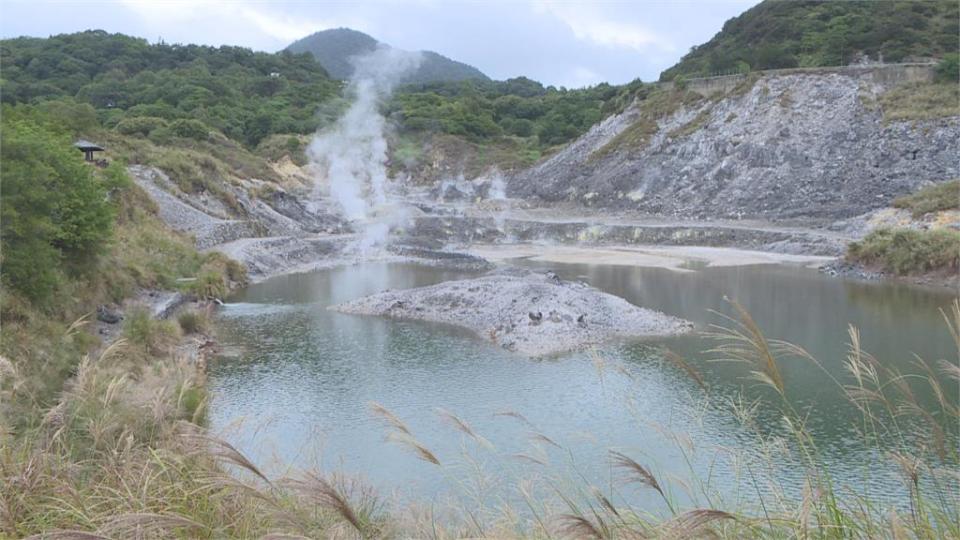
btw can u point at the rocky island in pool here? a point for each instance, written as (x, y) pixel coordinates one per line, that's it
(529, 313)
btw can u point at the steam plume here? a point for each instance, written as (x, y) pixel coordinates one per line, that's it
(352, 153)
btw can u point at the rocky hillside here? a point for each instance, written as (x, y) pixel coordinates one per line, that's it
(812, 145)
(334, 48)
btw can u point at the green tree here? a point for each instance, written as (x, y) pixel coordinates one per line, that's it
(55, 215)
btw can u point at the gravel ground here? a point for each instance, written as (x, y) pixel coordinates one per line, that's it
(529, 313)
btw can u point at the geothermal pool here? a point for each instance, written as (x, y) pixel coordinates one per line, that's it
(294, 387)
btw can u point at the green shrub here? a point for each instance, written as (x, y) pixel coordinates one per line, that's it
(948, 70)
(190, 129)
(935, 198)
(140, 125)
(210, 284)
(908, 251)
(192, 401)
(154, 336)
(192, 322)
(162, 136)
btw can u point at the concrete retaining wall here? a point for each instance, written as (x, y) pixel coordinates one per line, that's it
(884, 74)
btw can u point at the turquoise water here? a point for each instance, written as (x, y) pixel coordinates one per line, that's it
(297, 388)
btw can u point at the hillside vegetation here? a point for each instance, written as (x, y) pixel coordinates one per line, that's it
(507, 124)
(785, 34)
(136, 86)
(909, 251)
(173, 94)
(334, 48)
(73, 237)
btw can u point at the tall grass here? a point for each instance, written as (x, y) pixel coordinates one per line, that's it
(123, 455)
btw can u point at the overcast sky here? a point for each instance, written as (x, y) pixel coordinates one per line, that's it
(573, 43)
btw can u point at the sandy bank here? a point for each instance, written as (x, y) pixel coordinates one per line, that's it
(678, 258)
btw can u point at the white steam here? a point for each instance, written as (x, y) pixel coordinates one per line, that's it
(498, 188)
(352, 154)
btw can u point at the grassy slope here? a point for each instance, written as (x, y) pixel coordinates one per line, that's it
(920, 101)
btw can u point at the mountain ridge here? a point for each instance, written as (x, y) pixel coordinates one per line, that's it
(333, 48)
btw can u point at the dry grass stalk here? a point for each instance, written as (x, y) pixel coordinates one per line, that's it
(953, 322)
(678, 361)
(574, 526)
(462, 426)
(402, 435)
(406, 440)
(326, 495)
(527, 457)
(950, 370)
(543, 438)
(227, 453)
(688, 524)
(745, 343)
(135, 525)
(636, 472)
(513, 414)
(604, 501)
(67, 535)
(389, 417)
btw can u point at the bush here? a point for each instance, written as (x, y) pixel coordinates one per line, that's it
(935, 198)
(908, 251)
(162, 136)
(210, 284)
(948, 70)
(140, 125)
(275, 147)
(155, 336)
(190, 129)
(192, 322)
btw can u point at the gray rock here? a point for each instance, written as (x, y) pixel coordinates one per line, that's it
(107, 315)
(442, 258)
(508, 309)
(794, 146)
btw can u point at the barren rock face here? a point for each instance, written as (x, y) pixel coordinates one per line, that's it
(531, 314)
(793, 146)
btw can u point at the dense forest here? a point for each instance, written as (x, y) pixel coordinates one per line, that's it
(139, 87)
(163, 92)
(520, 107)
(780, 34)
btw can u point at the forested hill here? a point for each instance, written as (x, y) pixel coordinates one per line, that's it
(246, 95)
(784, 34)
(334, 48)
